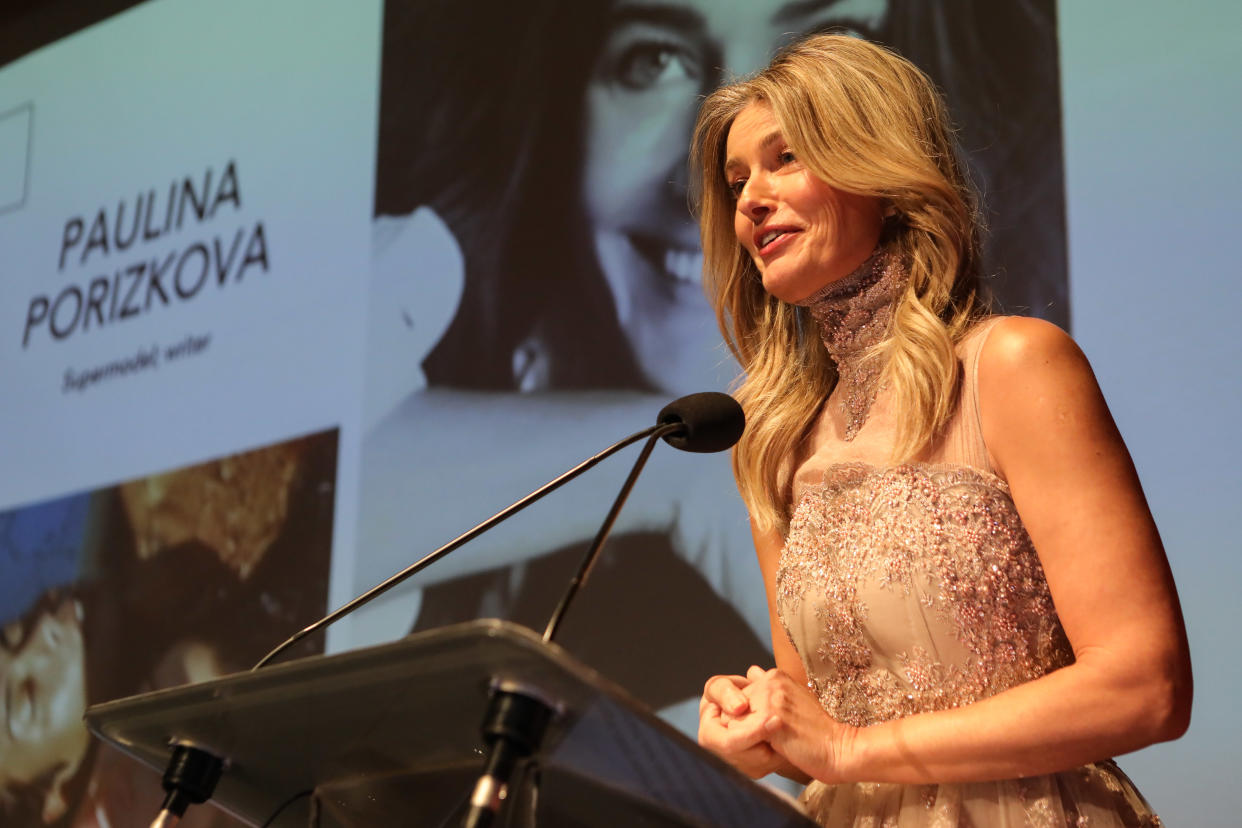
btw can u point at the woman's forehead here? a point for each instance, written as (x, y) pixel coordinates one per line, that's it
(755, 129)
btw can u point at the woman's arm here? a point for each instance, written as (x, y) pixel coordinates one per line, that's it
(1051, 436)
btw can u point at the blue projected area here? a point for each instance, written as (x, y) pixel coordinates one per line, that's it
(40, 549)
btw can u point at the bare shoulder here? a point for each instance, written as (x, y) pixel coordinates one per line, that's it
(1036, 389)
(1025, 357)
(1019, 343)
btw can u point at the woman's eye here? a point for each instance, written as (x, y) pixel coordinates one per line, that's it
(787, 157)
(649, 63)
(736, 187)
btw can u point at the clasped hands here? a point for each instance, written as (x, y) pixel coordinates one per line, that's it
(765, 722)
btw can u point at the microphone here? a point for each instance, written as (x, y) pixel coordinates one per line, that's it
(712, 422)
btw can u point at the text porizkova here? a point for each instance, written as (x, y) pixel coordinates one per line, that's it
(146, 283)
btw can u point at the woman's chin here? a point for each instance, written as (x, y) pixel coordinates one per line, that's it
(788, 288)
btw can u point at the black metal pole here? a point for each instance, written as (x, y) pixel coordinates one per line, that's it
(592, 553)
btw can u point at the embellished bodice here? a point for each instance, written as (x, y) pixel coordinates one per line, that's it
(913, 587)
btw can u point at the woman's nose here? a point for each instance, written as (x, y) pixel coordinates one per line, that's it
(755, 201)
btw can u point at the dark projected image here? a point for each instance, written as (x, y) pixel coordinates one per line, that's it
(537, 284)
(169, 579)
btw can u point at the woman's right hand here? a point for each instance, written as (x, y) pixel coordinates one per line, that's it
(732, 731)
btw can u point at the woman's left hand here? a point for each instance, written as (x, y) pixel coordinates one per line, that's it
(796, 725)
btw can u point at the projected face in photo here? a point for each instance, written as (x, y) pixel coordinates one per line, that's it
(42, 675)
(659, 57)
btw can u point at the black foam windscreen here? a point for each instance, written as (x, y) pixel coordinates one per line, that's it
(711, 421)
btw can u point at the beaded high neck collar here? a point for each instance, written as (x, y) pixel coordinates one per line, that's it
(854, 314)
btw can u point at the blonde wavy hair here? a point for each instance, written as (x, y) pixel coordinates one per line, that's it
(865, 121)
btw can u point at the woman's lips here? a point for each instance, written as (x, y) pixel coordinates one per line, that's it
(783, 237)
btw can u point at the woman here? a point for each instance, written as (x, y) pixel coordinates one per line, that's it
(969, 601)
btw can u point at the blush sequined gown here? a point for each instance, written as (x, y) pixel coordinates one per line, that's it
(915, 588)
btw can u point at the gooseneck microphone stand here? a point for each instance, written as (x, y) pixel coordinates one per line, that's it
(654, 432)
(517, 716)
(592, 553)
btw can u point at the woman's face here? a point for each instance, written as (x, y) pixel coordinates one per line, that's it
(659, 59)
(43, 697)
(801, 232)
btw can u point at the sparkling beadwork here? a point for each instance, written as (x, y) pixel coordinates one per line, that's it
(854, 314)
(948, 536)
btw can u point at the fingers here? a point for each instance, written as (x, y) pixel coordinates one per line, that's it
(740, 743)
(726, 692)
(772, 696)
(763, 684)
(738, 713)
(729, 737)
(735, 710)
(757, 673)
(758, 761)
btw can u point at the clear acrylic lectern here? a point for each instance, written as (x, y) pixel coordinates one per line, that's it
(389, 735)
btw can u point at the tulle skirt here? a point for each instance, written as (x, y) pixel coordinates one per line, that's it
(1093, 796)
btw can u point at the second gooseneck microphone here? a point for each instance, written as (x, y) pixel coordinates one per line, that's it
(711, 422)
